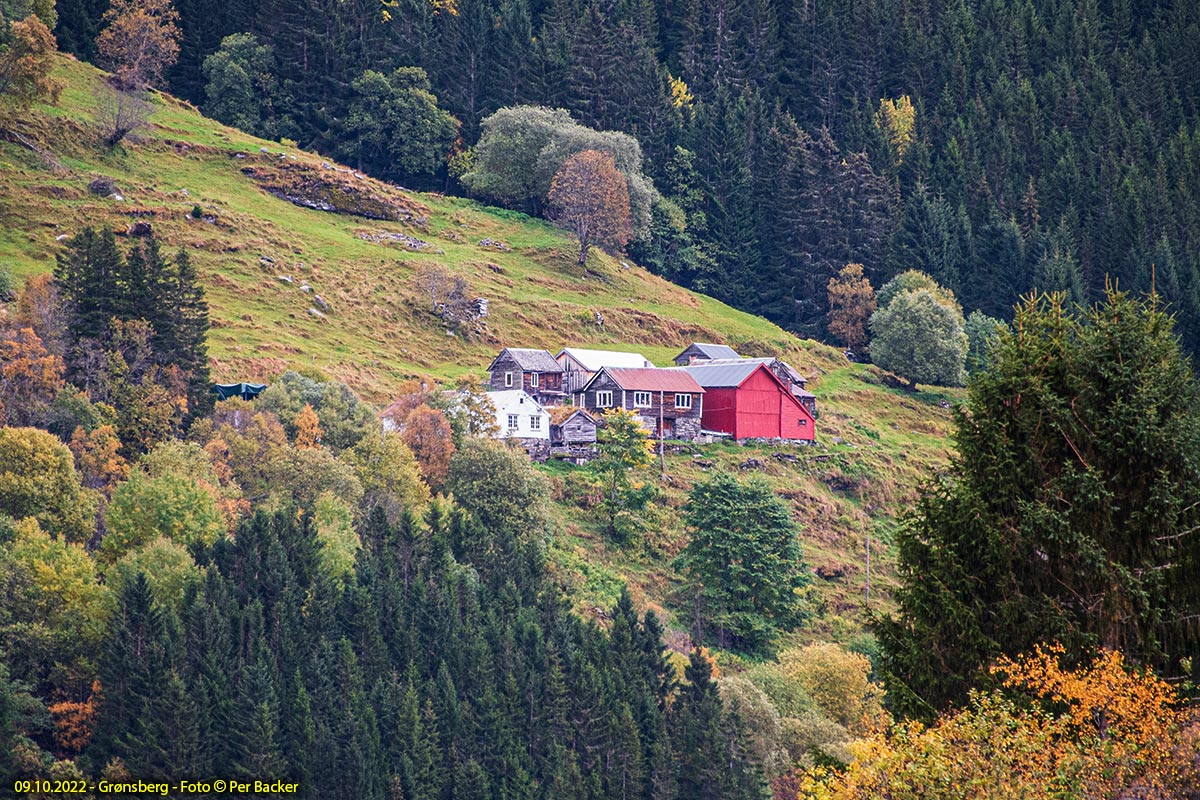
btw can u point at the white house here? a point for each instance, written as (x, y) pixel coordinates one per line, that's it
(519, 416)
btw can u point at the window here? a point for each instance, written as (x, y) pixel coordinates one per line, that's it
(683, 401)
(803, 422)
(643, 399)
(604, 399)
(535, 422)
(533, 378)
(513, 422)
(508, 379)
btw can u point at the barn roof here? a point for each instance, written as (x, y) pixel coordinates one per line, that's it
(707, 350)
(593, 360)
(530, 360)
(652, 380)
(730, 372)
(795, 376)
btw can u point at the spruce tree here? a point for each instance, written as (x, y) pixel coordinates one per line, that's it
(1055, 523)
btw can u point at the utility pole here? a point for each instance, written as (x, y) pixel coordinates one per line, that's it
(868, 569)
(662, 456)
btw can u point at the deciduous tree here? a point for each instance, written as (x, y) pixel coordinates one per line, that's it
(919, 334)
(591, 199)
(30, 377)
(140, 41)
(500, 487)
(428, 434)
(625, 451)
(38, 479)
(145, 508)
(851, 303)
(26, 57)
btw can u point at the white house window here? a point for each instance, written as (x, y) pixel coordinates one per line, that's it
(533, 379)
(508, 379)
(643, 399)
(604, 399)
(535, 422)
(683, 401)
(513, 422)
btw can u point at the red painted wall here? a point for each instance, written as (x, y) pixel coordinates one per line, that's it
(718, 412)
(758, 409)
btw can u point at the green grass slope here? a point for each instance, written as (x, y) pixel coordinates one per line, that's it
(875, 444)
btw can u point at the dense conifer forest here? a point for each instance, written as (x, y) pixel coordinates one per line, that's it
(998, 145)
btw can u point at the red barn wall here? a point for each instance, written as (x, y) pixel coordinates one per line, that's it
(759, 409)
(719, 412)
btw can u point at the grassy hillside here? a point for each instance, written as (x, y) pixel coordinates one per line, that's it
(875, 444)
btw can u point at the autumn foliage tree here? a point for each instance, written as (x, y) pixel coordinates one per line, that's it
(1097, 731)
(589, 197)
(27, 50)
(428, 434)
(30, 377)
(308, 428)
(140, 42)
(851, 303)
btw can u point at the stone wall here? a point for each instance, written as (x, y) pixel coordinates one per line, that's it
(687, 429)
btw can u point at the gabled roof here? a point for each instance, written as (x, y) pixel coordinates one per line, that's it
(650, 379)
(529, 359)
(579, 412)
(707, 350)
(509, 397)
(795, 376)
(593, 360)
(730, 372)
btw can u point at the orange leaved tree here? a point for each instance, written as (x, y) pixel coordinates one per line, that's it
(140, 42)
(590, 197)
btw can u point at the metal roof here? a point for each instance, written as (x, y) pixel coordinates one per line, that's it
(708, 350)
(795, 376)
(593, 360)
(729, 373)
(530, 360)
(653, 380)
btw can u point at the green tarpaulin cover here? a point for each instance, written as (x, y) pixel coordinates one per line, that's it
(243, 390)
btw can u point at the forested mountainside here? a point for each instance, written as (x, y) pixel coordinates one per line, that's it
(286, 595)
(999, 145)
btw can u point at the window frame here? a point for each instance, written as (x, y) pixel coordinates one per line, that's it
(687, 398)
(533, 379)
(649, 396)
(508, 379)
(514, 422)
(601, 396)
(535, 422)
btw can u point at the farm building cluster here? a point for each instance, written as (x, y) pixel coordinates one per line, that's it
(554, 404)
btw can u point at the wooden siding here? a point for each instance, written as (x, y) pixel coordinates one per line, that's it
(549, 386)
(758, 409)
(658, 400)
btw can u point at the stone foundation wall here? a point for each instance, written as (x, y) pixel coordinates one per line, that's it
(537, 449)
(687, 429)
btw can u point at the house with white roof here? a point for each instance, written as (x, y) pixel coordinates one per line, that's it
(580, 365)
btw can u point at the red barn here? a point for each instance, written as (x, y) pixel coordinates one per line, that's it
(746, 400)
